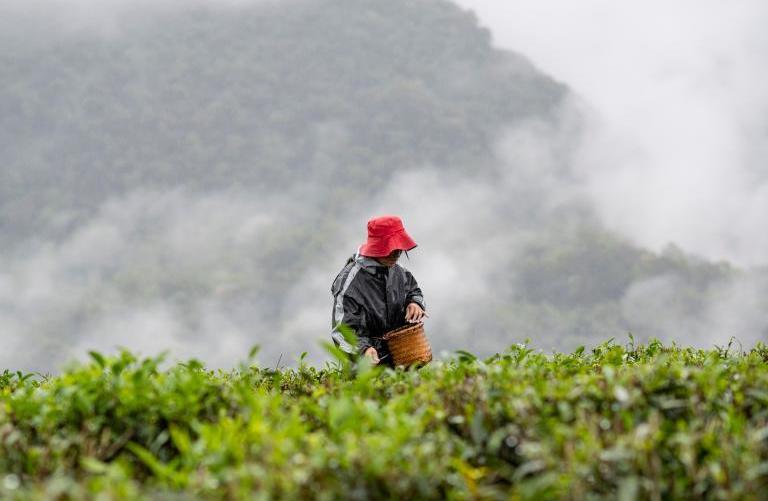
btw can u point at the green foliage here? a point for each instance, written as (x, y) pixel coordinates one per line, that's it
(10, 380)
(635, 422)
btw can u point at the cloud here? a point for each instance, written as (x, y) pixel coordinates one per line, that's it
(152, 270)
(666, 308)
(677, 138)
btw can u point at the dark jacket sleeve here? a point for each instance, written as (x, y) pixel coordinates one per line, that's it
(413, 292)
(354, 318)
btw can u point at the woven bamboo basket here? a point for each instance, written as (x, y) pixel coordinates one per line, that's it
(408, 345)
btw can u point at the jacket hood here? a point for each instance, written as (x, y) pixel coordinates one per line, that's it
(367, 263)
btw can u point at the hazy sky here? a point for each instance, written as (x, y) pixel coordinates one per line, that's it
(679, 139)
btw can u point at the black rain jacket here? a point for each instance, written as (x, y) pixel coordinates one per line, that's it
(371, 299)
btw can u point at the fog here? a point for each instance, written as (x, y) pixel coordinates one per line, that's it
(676, 150)
(167, 243)
(659, 138)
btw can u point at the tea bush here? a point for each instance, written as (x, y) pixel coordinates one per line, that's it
(629, 422)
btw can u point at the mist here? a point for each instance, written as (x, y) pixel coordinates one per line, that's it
(678, 133)
(196, 191)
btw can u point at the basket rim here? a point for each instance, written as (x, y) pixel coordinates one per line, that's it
(403, 330)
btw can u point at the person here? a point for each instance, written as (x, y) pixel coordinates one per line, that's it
(373, 294)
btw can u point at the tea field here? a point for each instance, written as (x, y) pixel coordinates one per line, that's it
(612, 422)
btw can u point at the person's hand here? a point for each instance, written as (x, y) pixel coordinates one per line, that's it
(414, 314)
(373, 355)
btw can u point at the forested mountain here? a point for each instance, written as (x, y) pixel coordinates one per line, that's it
(348, 91)
(196, 170)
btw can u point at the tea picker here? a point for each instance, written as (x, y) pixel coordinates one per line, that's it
(380, 300)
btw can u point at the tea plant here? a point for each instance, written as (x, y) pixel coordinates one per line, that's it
(630, 422)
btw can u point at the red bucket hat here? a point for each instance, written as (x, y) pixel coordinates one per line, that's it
(385, 234)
